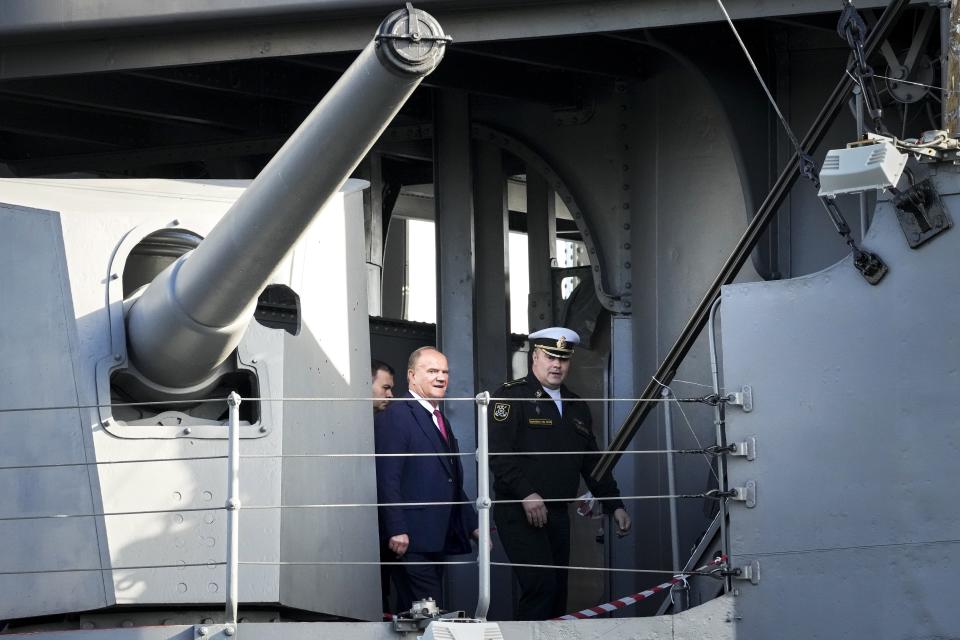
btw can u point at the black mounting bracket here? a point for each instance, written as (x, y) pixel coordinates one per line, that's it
(921, 213)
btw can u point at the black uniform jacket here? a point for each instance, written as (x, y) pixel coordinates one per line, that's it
(530, 425)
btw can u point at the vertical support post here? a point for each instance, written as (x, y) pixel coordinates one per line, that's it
(492, 265)
(393, 295)
(483, 506)
(623, 552)
(233, 508)
(671, 480)
(541, 236)
(453, 199)
(373, 225)
(951, 85)
(721, 430)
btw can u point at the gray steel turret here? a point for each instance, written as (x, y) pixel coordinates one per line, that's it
(144, 290)
(184, 325)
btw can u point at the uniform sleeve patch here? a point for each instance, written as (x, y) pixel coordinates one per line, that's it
(501, 411)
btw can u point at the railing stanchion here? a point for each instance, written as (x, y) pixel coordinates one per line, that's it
(671, 479)
(483, 506)
(233, 511)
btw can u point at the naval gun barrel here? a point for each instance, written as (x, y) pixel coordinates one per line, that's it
(191, 317)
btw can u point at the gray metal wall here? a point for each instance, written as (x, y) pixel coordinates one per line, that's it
(39, 341)
(855, 417)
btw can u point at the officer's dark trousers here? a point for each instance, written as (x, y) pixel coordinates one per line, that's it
(543, 592)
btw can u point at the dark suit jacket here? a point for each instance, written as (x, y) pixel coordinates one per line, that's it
(406, 427)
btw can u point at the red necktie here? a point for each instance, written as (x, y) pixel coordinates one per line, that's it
(441, 425)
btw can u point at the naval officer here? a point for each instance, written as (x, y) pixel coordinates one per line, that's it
(541, 418)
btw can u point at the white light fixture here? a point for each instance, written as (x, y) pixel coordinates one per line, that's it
(464, 629)
(862, 166)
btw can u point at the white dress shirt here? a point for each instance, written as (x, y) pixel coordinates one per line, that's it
(429, 407)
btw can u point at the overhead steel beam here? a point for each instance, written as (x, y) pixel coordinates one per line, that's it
(501, 78)
(274, 79)
(546, 55)
(137, 34)
(113, 161)
(396, 142)
(32, 18)
(17, 116)
(111, 94)
(741, 252)
(45, 119)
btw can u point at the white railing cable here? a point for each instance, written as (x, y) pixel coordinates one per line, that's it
(106, 514)
(139, 567)
(460, 454)
(280, 456)
(709, 495)
(712, 494)
(232, 505)
(106, 463)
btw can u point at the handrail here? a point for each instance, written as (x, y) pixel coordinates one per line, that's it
(483, 507)
(233, 511)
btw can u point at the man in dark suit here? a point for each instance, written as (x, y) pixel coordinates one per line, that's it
(419, 533)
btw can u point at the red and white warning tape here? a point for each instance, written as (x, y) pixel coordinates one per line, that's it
(626, 601)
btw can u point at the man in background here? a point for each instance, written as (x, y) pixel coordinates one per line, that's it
(419, 534)
(382, 386)
(382, 376)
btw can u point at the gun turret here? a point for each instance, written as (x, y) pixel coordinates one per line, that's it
(183, 326)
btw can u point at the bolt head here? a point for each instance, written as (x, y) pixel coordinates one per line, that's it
(229, 631)
(203, 631)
